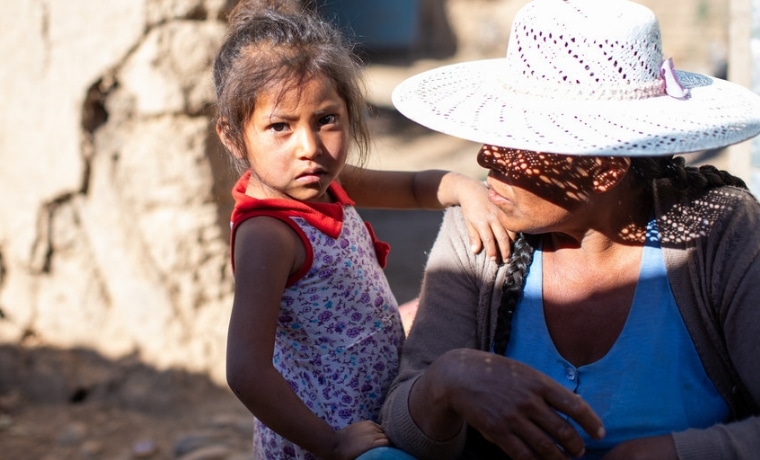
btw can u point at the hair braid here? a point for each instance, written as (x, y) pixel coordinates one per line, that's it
(681, 176)
(519, 261)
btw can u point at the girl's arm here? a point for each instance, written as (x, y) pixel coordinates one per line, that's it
(267, 251)
(433, 189)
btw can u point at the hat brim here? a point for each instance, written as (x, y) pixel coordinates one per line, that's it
(469, 101)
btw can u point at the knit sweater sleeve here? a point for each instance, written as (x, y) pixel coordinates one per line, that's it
(715, 276)
(448, 317)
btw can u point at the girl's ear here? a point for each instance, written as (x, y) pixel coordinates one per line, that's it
(223, 131)
(611, 174)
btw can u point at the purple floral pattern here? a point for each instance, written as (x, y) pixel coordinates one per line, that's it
(339, 335)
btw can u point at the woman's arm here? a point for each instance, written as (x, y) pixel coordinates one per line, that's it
(433, 189)
(267, 251)
(447, 318)
(445, 380)
(724, 271)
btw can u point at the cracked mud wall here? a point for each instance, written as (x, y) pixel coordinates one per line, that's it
(111, 235)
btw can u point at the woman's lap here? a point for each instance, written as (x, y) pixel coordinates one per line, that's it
(385, 453)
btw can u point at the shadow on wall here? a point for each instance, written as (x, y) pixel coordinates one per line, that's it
(75, 376)
(54, 403)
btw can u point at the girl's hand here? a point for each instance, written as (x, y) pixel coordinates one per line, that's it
(357, 438)
(654, 448)
(486, 224)
(434, 189)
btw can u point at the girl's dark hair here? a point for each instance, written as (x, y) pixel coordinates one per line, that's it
(646, 171)
(274, 42)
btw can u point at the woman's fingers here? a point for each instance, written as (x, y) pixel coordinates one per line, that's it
(555, 437)
(577, 409)
(530, 443)
(514, 447)
(539, 433)
(505, 399)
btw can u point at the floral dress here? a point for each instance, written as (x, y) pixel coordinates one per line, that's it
(339, 332)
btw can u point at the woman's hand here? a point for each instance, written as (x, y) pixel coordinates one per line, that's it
(512, 405)
(357, 438)
(654, 448)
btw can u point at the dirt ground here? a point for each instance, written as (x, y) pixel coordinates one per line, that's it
(75, 404)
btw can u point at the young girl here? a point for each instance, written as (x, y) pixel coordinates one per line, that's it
(315, 331)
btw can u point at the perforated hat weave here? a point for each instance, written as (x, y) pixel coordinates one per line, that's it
(583, 77)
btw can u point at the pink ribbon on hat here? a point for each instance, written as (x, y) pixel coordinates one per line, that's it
(672, 85)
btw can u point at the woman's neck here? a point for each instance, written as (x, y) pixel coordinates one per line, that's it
(616, 218)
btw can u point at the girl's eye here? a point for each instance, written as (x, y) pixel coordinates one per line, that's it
(278, 127)
(328, 120)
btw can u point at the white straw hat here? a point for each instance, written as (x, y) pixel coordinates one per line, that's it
(583, 77)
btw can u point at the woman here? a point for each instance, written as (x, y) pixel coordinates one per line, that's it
(626, 323)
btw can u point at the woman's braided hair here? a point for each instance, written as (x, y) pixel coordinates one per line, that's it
(517, 268)
(649, 169)
(646, 171)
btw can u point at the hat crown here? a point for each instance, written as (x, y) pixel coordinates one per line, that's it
(585, 49)
(582, 77)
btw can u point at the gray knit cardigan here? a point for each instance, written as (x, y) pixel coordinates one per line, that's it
(711, 245)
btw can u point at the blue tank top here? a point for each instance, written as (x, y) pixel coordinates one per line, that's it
(651, 382)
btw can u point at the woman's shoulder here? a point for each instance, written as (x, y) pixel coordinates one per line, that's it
(724, 197)
(687, 215)
(454, 229)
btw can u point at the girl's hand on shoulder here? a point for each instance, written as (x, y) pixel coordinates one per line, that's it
(653, 448)
(357, 438)
(486, 224)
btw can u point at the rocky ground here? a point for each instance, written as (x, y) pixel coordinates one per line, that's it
(74, 404)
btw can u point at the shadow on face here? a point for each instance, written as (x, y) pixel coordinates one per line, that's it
(564, 180)
(684, 215)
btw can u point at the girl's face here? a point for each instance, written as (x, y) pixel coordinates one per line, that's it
(297, 141)
(542, 192)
